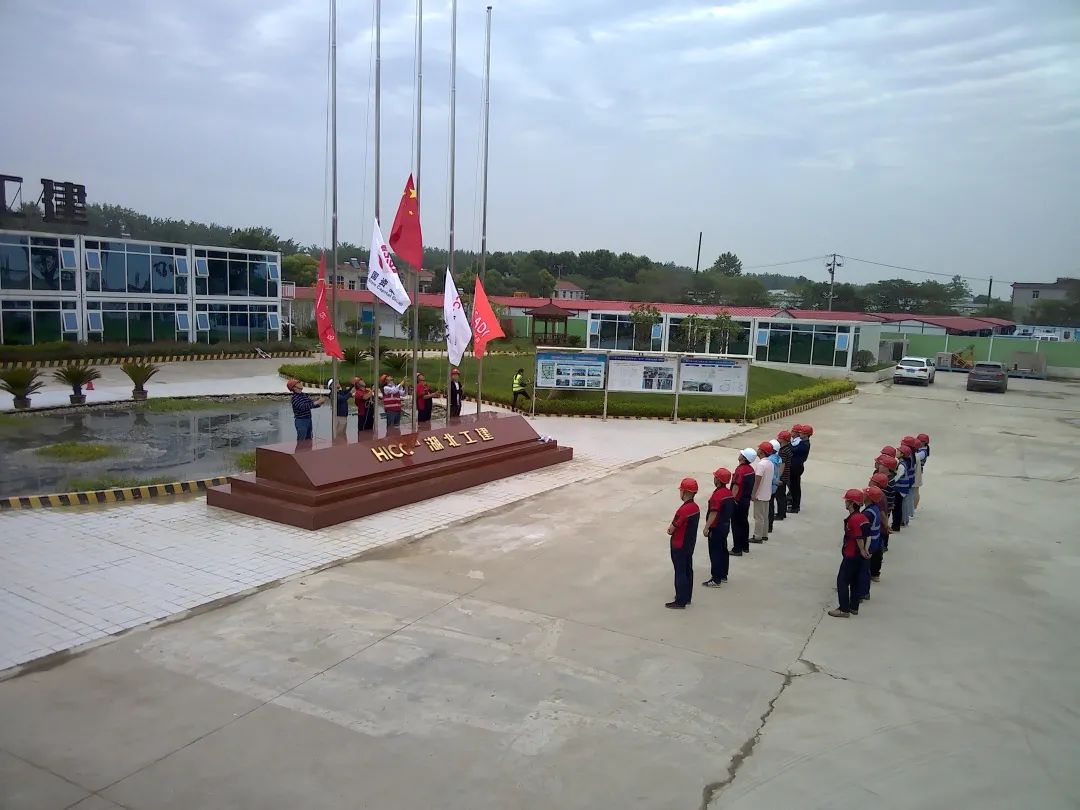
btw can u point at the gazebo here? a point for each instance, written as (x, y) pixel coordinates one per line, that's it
(546, 322)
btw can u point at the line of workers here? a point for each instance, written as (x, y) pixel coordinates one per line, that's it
(358, 394)
(766, 486)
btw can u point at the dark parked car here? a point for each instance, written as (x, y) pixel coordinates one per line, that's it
(988, 376)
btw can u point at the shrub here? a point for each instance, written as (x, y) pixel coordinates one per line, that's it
(356, 356)
(864, 359)
(21, 382)
(573, 340)
(76, 376)
(78, 451)
(395, 361)
(139, 373)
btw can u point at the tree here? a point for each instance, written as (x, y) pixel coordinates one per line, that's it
(301, 269)
(722, 328)
(727, 264)
(691, 334)
(429, 323)
(547, 284)
(254, 238)
(644, 317)
(995, 309)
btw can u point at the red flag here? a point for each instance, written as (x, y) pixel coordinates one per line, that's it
(405, 237)
(485, 325)
(327, 335)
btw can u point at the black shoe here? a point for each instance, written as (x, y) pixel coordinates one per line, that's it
(756, 540)
(712, 583)
(724, 579)
(735, 553)
(854, 611)
(675, 606)
(765, 539)
(781, 517)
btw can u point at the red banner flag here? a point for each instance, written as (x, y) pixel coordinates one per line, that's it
(327, 335)
(405, 237)
(485, 325)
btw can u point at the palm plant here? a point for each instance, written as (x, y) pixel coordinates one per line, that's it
(76, 376)
(395, 361)
(139, 373)
(355, 356)
(21, 383)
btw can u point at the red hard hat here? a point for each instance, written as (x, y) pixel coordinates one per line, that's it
(808, 430)
(723, 474)
(922, 437)
(874, 494)
(910, 440)
(888, 461)
(454, 371)
(289, 385)
(784, 435)
(796, 428)
(688, 485)
(888, 450)
(879, 480)
(907, 449)
(854, 495)
(765, 449)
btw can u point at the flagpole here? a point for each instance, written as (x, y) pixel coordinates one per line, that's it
(416, 186)
(378, 179)
(484, 203)
(334, 205)
(453, 145)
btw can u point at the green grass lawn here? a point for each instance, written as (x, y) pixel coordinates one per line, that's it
(176, 404)
(78, 451)
(770, 390)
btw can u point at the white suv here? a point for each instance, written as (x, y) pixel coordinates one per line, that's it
(915, 369)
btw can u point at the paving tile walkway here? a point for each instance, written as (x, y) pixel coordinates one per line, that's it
(71, 577)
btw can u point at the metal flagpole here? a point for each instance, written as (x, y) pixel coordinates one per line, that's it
(378, 179)
(416, 185)
(484, 203)
(453, 145)
(746, 393)
(334, 205)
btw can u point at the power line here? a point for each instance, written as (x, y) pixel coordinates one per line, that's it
(781, 264)
(915, 269)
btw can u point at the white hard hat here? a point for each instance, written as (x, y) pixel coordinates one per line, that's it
(330, 383)
(749, 454)
(775, 444)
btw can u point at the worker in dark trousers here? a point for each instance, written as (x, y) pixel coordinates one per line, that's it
(777, 462)
(456, 392)
(899, 473)
(683, 533)
(800, 450)
(742, 489)
(784, 437)
(877, 554)
(907, 481)
(886, 466)
(873, 498)
(717, 523)
(365, 406)
(853, 549)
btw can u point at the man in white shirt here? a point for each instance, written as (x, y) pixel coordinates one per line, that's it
(764, 470)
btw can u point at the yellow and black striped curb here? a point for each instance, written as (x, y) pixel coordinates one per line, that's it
(116, 361)
(804, 407)
(115, 495)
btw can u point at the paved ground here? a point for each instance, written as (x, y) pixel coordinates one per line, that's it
(525, 659)
(73, 576)
(201, 378)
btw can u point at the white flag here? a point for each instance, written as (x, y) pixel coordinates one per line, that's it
(382, 278)
(458, 333)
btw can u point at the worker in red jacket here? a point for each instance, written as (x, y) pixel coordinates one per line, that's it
(742, 488)
(683, 533)
(717, 523)
(853, 551)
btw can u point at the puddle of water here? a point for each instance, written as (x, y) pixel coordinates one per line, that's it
(175, 446)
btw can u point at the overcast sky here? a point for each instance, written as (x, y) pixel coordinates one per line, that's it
(939, 134)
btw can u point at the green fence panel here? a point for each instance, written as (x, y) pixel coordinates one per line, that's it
(1065, 354)
(1005, 348)
(925, 345)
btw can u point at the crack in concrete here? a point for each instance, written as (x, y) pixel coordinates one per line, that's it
(712, 791)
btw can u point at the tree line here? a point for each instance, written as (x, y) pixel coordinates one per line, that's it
(604, 274)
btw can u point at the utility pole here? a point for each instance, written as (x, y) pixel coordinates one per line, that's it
(831, 267)
(697, 265)
(990, 291)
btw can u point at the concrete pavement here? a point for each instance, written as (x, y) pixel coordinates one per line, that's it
(524, 659)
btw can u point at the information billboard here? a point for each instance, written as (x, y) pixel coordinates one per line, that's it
(570, 370)
(641, 373)
(718, 376)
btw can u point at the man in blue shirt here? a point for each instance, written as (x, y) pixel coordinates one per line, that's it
(341, 411)
(301, 407)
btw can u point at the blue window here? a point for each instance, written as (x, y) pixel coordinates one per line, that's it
(201, 269)
(67, 259)
(275, 272)
(93, 260)
(202, 321)
(183, 322)
(71, 320)
(273, 320)
(93, 321)
(181, 266)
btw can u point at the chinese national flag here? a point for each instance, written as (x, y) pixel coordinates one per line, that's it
(485, 325)
(405, 237)
(327, 334)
